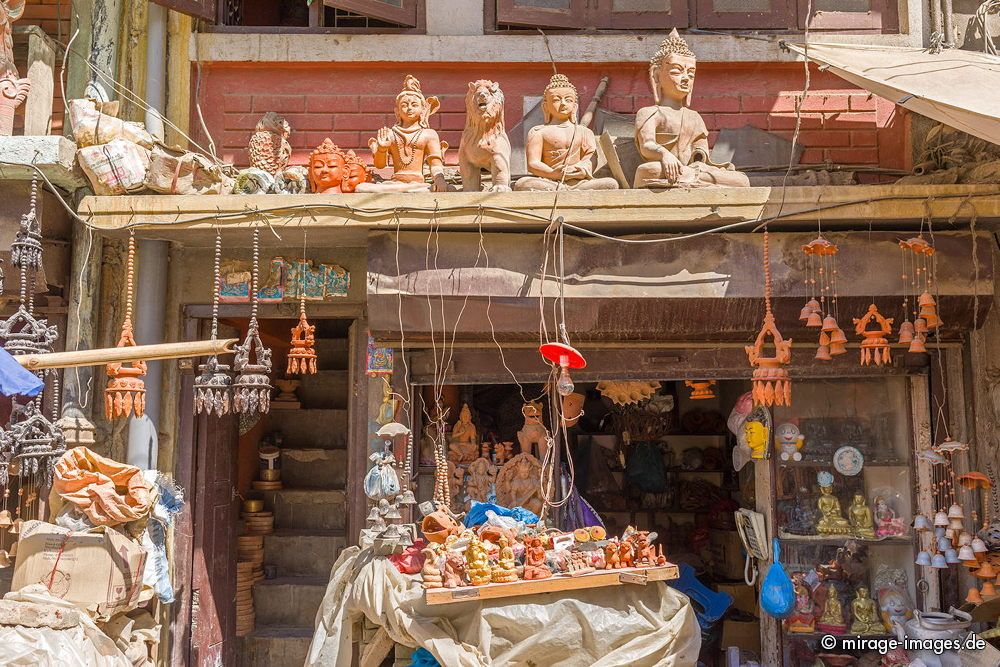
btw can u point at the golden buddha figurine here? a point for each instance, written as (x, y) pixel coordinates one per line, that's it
(670, 134)
(860, 516)
(409, 144)
(831, 520)
(463, 443)
(832, 619)
(866, 619)
(505, 571)
(560, 153)
(477, 563)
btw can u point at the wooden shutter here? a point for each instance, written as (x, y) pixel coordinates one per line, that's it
(202, 9)
(644, 14)
(543, 13)
(401, 12)
(860, 15)
(739, 14)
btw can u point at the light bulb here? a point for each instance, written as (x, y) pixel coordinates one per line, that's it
(564, 385)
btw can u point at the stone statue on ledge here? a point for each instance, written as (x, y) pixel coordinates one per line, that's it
(409, 144)
(670, 134)
(560, 152)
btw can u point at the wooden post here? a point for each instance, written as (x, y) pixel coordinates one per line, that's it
(82, 316)
(363, 400)
(764, 494)
(920, 408)
(178, 109)
(41, 73)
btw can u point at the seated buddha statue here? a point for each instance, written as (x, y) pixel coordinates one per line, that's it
(860, 516)
(409, 145)
(831, 520)
(670, 134)
(560, 153)
(866, 618)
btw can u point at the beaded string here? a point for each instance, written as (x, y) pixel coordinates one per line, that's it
(216, 285)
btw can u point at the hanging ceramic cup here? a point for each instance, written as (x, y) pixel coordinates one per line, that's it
(920, 523)
(941, 519)
(939, 562)
(951, 556)
(923, 558)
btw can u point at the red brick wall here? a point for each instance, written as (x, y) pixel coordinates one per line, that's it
(348, 102)
(52, 16)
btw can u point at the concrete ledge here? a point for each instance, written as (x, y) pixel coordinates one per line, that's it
(54, 155)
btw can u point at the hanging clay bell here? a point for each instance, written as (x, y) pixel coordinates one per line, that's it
(838, 336)
(805, 313)
(955, 525)
(921, 523)
(823, 353)
(956, 511)
(5, 519)
(906, 331)
(974, 597)
(925, 300)
(829, 324)
(302, 355)
(986, 571)
(989, 590)
(917, 344)
(837, 349)
(815, 319)
(824, 338)
(939, 562)
(923, 558)
(951, 556)
(920, 325)
(941, 519)
(978, 546)
(929, 316)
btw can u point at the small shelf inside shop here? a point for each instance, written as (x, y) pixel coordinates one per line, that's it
(825, 463)
(841, 539)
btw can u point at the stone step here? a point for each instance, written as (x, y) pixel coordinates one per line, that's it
(318, 468)
(322, 429)
(288, 601)
(306, 509)
(276, 646)
(303, 554)
(325, 389)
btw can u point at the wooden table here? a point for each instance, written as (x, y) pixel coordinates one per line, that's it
(555, 584)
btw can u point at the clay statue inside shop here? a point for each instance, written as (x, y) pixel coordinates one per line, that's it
(803, 618)
(861, 517)
(463, 444)
(519, 483)
(670, 134)
(482, 475)
(831, 519)
(866, 618)
(832, 618)
(560, 153)
(484, 142)
(533, 435)
(887, 524)
(409, 144)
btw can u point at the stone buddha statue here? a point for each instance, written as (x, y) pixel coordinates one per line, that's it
(860, 516)
(866, 618)
(560, 153)
(670, 134)
(831, 520)
(409, 145)
(463, 444)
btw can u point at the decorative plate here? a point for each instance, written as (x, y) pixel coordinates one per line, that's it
(848, 460)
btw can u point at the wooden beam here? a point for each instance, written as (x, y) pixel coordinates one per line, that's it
(41, 73)
(108, 355)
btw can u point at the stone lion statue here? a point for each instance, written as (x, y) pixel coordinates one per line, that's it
(484, 141)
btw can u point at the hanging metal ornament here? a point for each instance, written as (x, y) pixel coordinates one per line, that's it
(37, 442)
(874, 344)
(771, 384)
(302, 355)
(213, 385)
(252, 387)
(125, 393)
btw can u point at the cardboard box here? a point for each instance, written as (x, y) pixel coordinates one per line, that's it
(744, 634)
(744, 597)
(100, 570)
(727, 553)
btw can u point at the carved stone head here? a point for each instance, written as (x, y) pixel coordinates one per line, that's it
(672, 70)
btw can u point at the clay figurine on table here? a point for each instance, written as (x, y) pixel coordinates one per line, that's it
(534, 561)
(866, 618)
(477, 562)
(505, 570)
(887, 524)
(831, 520)
(409, 144)
(560, 153)
(670, 134)
(431, 571)
(484, 142)
(861, 517)
(463, 444)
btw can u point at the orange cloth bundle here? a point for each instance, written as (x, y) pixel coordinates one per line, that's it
(109, 493)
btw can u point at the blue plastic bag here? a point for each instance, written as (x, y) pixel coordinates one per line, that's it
(423, 658)
(777, 593)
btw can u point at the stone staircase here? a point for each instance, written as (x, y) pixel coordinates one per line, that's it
(309, 520)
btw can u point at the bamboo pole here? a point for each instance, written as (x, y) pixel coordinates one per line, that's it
(108, 355)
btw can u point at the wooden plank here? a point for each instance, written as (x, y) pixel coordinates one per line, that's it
(765, 486)
(920, 409)
(377, 650)
(41, 73)
(554, 584)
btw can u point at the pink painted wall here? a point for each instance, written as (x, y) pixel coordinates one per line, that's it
(348, 102)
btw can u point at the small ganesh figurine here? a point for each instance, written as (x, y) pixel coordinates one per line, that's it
(463, 444)
(866, 618)
(477, 563)
(860, 516)
(671, 135)
(887, 524)
(534, 561)
(409, 145)
(560, 153)
(803, 618)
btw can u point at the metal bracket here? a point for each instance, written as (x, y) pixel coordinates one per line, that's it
(633, 578)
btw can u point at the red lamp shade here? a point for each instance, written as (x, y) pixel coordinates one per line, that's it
(558, 353)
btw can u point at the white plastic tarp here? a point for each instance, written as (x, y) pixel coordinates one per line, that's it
(954, 87)
(639, 626)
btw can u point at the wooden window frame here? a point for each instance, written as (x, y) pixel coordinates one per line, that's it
(576, 17)
(883, 18)
(782, 14)
(677, 17)
(316, 11)
(200, 9)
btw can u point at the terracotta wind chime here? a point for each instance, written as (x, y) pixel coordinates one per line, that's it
(302, 355)
(875, 341)
(771, 382)
(821, 310)
(126, 391)
(213, 389)
(917, 259)
(252, 387)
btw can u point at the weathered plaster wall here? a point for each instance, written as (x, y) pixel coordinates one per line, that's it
(348, 102)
